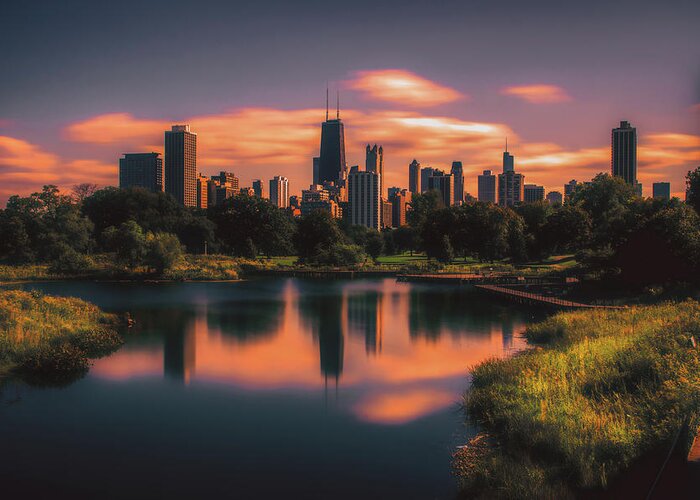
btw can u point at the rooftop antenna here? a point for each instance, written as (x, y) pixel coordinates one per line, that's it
(506, 144)
(337, 110)
(326, 100)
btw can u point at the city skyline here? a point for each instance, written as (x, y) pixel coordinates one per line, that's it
(458, 106)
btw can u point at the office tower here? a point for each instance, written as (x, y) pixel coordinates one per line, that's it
(387, 214)
(181, 164)
(554, 198)
(374, 160)
(331, 162)
(510, 188)
(533, 193)
(458, 176)
(624, 153)
(392, 191)
(279, 191)
(661, 190)
(508, 160)
(425, 174)
(569, 189)
(444, 184)
(141, 170)
(259, 188)
(202, 191)
(510, 184)
(227, 179)
(315, 193)
(399, 200)
(365, 198)
(414, 177)
(487, 187)
(329, 206)
(316, 166)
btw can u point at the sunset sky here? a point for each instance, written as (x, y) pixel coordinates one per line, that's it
(84, 82)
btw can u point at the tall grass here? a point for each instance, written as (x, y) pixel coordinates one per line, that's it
(52, 336)
(607, 388)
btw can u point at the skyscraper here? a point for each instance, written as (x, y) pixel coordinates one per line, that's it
(316, 166)
(510, 184)
(458, 177)
(554, 198)
(141, 170)
(444, 184)
(399, 200)
(624, 153)
(374, 160)
(569, 189)
(487, 187)
(279, 191)
(364, 198)
(181, 164)
(259, 188)
(425, 174)
(533, 193)
(414, 177)
(331, 162)
(662, 190)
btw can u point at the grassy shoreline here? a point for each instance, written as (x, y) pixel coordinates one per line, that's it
(51, 339)
(599, 391)
(227, 268)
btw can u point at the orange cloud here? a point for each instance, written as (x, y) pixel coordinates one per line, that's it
(537, 94)
(116, 128)
(399, 86)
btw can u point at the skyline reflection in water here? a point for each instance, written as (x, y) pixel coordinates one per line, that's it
(404, 349)
(262, 389)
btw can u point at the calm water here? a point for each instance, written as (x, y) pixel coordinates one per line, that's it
(260, 389)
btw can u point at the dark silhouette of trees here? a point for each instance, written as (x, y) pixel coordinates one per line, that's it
(692, 189)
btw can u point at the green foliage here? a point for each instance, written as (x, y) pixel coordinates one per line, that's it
(39, 227)
(163, 251)
(247, 225)
(70, 262)
(611, 386)
(692, 189)
(374, 244)
(128, 242)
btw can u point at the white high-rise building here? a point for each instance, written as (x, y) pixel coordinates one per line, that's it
(279, 191)
(364, 195)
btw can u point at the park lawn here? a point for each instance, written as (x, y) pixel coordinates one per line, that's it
(605, 388)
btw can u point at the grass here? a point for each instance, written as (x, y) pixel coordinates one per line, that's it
(606, 388)
(51, 338)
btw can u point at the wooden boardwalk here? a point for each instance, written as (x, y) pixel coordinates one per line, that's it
(537, 299)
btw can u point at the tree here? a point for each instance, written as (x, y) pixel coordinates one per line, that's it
(692, 189)
(374, 245)
(163, 251)
(420, 206)
(82, 191)
(405, 239)
(567, 229)
(242, 220)
(437, 225)
(389, 243)
(316, 232)
(128, 242)
(535, 216)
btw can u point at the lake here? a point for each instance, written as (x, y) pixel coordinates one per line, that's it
(268, 388)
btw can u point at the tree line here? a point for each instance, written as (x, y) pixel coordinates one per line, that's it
(613, 232)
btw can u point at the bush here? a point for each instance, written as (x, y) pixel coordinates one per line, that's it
(163, 252)
(71, 262)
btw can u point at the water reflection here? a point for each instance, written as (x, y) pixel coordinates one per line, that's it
(401, 351)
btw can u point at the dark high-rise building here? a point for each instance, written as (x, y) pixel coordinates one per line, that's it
(508, 161)
(414, 177)
(444, 184)
(425, 174)
(554, 198)
(510, 184)
(181, 164)
(458, 176)
(141, 170)
(569, 189)
(259, 188)
(202, 191)
(331, 162)
(624, 153)
(374, 161)
(487, 187)
(662, 190)
(533, 193)
(316, 166)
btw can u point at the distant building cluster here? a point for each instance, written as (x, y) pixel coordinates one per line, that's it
(360, 196)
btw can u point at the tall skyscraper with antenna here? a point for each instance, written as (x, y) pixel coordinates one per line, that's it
(331, 162)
